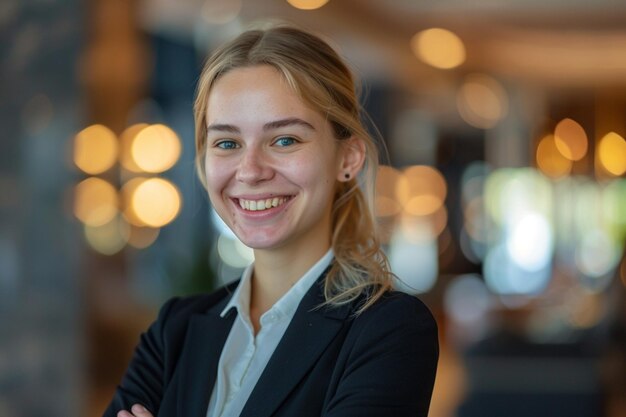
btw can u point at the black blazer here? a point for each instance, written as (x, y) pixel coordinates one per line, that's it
(328, 363)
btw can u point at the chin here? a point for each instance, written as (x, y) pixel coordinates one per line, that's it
(259, 242)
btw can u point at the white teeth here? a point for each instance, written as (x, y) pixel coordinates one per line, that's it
(258, 205)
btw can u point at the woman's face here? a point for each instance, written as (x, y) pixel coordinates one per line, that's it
(271, 162)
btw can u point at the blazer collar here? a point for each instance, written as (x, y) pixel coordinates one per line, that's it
(206, 335)
(309, 332)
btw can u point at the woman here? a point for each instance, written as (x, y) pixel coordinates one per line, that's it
(312, 328)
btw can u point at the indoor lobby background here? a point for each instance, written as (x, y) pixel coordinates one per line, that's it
(502, 198)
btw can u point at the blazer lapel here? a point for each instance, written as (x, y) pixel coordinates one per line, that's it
(205, 339)
(308, 334)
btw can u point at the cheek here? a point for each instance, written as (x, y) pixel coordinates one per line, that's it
(216, 179)
(314, 172)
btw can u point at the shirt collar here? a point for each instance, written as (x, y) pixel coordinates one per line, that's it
(289, 302)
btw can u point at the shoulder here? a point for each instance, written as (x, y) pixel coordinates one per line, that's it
(397, 313)
(399, 306)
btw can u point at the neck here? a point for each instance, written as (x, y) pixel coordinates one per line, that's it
(276, 271)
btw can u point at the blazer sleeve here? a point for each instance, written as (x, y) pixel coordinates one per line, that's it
(391, 368)
(143, 382)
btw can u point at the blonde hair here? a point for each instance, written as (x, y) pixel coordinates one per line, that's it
(324, 82)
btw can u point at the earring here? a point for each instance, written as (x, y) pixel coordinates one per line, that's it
(346, 176)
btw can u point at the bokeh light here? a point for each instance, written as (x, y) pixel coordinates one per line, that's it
(439, 48)
(413, 256)
(511, 193)
(613, 203)
(467, 299)
(387, 179)
(95, 201)
(424, 192)
(108, 238)
(474, 250)
(482, 101)
(126, 143)
(570, 139)
(418, 228)
(233, 252)
(596, 255)
(142, 237)
(530, 242)
(155, 201)
(220, 225)
(473, 180)
(438, 220)
(504, 276)
(612, 153)
(127, 192)
(550, 160)
(476, 219)
(475, 232)
(95, 149)
(155, 148)
(307, 4)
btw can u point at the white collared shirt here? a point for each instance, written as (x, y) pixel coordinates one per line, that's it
(244, 357)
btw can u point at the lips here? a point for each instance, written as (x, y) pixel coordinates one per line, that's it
(262, 204)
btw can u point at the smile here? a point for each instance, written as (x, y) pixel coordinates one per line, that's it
(265, 204)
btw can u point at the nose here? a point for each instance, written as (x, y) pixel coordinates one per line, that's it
(254, 167)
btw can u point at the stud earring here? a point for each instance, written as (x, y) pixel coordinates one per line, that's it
(346, 176)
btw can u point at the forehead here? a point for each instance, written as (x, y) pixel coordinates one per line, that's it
(257, 90)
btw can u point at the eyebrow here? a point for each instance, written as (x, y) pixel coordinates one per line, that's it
(276, 124)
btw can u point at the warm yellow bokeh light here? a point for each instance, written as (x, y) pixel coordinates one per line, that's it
(142, 237)
(307, 4)
(424, 228)
(127, 192)
(550, 161)
(482, 101)
(126, 143)
(108, 238)
(155, 148)
(156, 202)
(423, 192)
(570, 139)
(422, 205)
(95, 149)
(612, 153)
(440, 220)
(95, 201)
(387, 180)
(439, 48)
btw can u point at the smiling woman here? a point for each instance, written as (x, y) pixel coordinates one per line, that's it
(312, 328)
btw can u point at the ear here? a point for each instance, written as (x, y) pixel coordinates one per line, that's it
(352, 158)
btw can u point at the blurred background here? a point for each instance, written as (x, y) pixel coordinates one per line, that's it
(502, 199)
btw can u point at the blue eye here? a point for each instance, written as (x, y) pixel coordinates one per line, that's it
(285, 141)
(227, 144)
